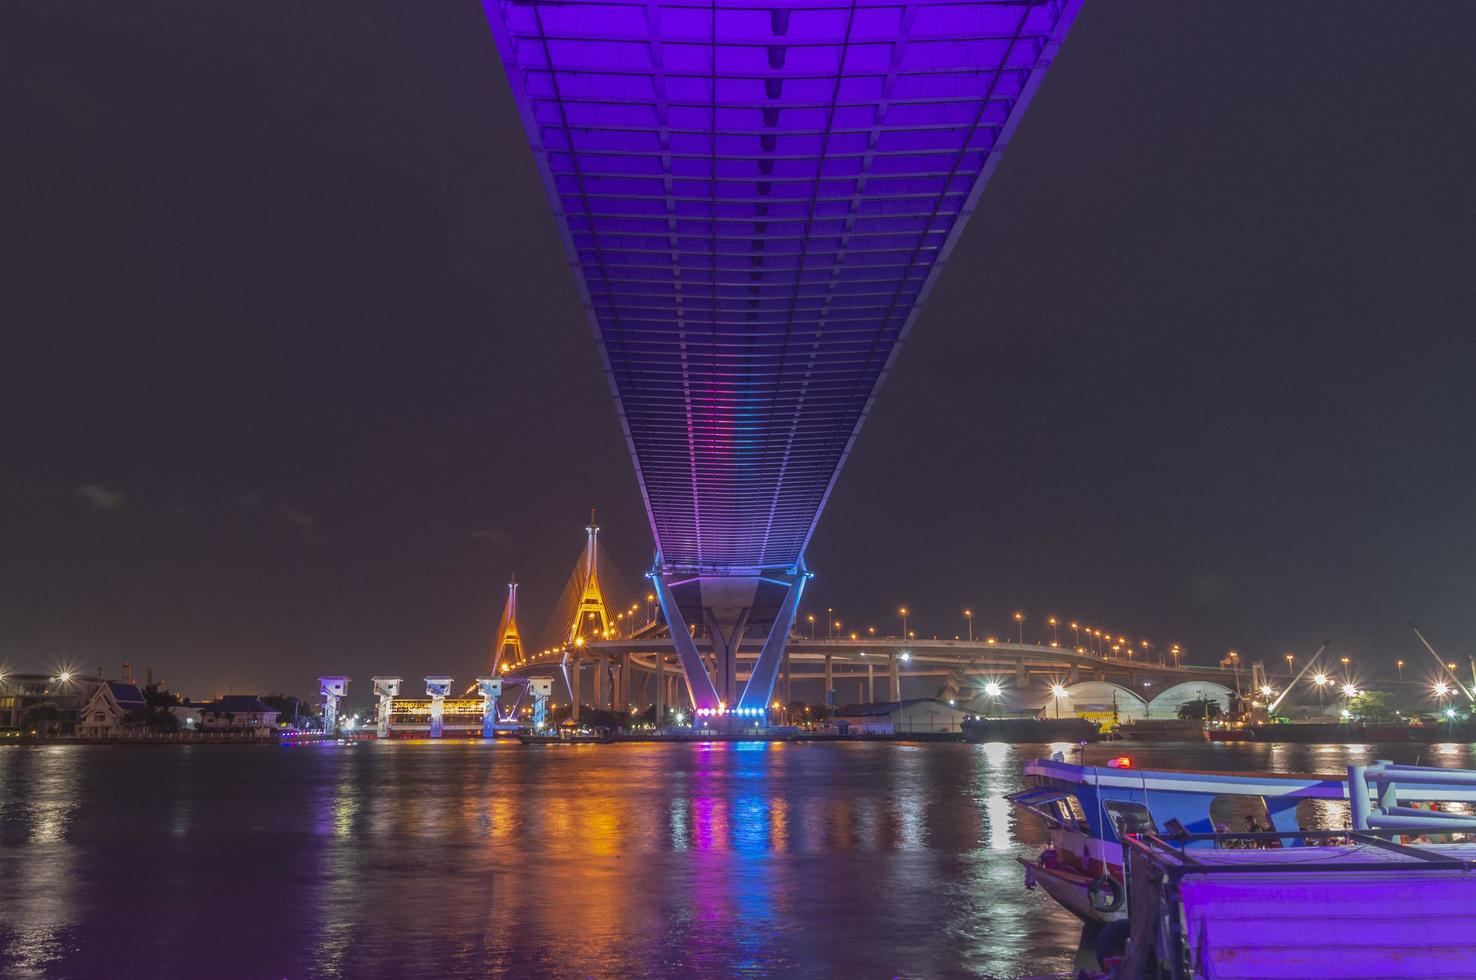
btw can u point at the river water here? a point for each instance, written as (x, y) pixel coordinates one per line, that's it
(397, 859)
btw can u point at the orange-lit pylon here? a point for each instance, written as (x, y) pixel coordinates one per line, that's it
(509, 640)
(590, 616)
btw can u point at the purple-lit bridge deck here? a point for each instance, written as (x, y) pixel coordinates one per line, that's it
(757, 197)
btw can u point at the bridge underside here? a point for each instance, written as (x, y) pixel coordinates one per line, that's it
(757, 196)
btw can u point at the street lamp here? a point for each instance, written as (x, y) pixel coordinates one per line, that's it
(902, 611)
(1399, 666)
(1055, 636)
(1322, 681)
(1076, 636)
(1176, 652)
(1020, 624)
(811, 618)
(829, 629)
(1058, 692)
(1289, 658)
(969, 618)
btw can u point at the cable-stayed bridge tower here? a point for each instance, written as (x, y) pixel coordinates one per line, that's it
(509, 644)
(591, 616)
(757, 196)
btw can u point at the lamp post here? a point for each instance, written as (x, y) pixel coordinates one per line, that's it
(1399, 666)
(829, 619)
(1055, 636)
(811, 618)
(903, 613)
(969, 619)
(1177, 653)
(1321, 680)
(1020, 626)
(1290, 657)
(1076, 636)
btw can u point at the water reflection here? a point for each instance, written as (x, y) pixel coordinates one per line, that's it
(40, 794)
(393, 859)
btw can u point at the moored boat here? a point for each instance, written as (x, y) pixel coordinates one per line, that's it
(1030, 730)
(1090, 812)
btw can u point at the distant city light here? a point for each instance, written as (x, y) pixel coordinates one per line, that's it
(1321, 679)
(992, 689)
(1350, 690)
(1441, 689)
(1058, 691)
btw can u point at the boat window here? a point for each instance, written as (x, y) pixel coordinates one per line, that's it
(1070, 813)
(1315, 814)
(1239, 813)
(1130, 818)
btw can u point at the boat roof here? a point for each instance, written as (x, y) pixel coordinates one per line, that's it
(1192, 781)
(1275, 784)
(1364, 909)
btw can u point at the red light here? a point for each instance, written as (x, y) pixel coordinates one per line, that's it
(1121, 762)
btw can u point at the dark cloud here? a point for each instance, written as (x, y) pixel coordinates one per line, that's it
(100, 498)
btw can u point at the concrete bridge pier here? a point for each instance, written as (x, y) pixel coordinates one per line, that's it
(895, 672)
(576, 666)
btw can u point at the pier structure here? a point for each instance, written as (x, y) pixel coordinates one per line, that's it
(541, 689)
(386, 689)
(333, 689)
(491, 690)
(437, 687)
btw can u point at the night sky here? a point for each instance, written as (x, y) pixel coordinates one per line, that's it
(294, 375)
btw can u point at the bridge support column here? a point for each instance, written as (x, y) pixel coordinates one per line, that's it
(870, 683)
(788, 690)
(829, 684)
(725, 654)
(1022, 676)
(894, 674)
(576, 666)
(760, 687)
(602, 681)
(700, 688)
(659, 696)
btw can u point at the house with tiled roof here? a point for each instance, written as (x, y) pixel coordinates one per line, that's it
(105, 713)
(238, 713)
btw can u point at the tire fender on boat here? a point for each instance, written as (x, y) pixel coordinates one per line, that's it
(1105, 894)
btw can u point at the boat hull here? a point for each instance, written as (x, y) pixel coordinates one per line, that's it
(1071, 891)
(1034, 730)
